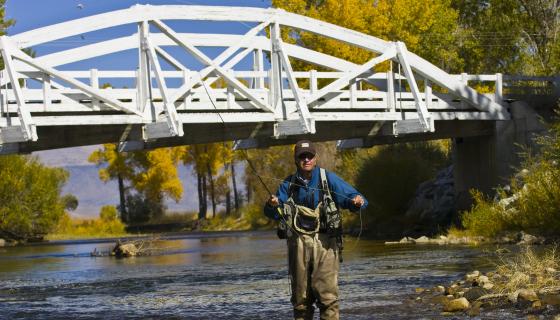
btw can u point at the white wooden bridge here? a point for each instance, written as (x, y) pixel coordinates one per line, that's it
(45, 105)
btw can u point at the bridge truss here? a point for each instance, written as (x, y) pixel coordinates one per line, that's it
(45, 104)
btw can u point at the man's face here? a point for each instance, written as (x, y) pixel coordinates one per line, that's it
(306, 162)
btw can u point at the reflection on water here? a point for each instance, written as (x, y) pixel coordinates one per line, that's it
(232, 276)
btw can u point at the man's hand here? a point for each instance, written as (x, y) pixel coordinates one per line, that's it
(273, 201)
(358, 201)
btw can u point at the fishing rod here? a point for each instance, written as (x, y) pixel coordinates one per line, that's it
(255, 172)
(245, 155)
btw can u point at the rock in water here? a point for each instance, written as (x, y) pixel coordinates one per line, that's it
(527, 295)
(422, 239)
(551, 299)
(475, 293)
(455, 305)
(2, 242)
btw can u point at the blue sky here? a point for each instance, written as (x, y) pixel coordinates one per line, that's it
(32, 14)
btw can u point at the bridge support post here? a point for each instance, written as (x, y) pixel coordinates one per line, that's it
(486, 162)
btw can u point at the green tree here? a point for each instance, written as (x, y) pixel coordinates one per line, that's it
(510, 36)
(30, 200)
(70, 202)
(4, 24)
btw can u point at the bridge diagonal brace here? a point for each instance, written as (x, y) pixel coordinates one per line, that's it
(231, 63)
(305, 117)
(423, 114)
(95, 93)
(172, 61)
(175, 124)
(389, 53)
(27, 130)
(214, 65)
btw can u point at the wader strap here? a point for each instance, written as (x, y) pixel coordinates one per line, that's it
(327, 202)
(291, 186)
(324, 183)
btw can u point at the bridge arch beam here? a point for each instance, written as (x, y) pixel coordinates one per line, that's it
(164, 110)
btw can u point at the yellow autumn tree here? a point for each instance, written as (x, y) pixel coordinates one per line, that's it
(427, 27)
(158, 178)
(146, 179)
(113, 165)
(212, 165)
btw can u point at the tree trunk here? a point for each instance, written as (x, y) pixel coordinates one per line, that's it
(122, 201)
(212, 194)
(201, 196)
(228, 192)
(234, 183)
(249, 188)
(205, 195)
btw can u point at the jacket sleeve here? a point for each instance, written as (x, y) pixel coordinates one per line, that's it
(282, 194)
(343, 193)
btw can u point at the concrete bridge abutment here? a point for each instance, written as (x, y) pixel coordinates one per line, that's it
(487, 162)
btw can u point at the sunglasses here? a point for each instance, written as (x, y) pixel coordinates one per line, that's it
(306, 156)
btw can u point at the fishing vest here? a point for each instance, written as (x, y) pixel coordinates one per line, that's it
(297, 219)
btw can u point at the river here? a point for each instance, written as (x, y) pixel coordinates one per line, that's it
(240, 275)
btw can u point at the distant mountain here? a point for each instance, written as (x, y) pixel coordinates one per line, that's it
(67, 156)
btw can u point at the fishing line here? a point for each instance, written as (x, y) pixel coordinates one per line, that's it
(246, 157)
(255, 172)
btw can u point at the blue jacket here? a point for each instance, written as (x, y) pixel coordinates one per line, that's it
(308, 194)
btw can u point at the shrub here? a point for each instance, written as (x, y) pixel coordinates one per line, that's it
(108, 225)
(30, 201)
(108, 213)
(254, 216)
(539, 201)
(141, 209)
(486, 218)
(537, 191)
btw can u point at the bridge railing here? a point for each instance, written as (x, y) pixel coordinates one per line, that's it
(384, 91)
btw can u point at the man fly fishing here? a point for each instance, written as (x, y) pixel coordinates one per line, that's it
(306, 206)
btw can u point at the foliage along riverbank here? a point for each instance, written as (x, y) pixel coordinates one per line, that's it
(530, 203)
(108, 225)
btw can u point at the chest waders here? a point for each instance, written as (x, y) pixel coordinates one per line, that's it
(326, 218)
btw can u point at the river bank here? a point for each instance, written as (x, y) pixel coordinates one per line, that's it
(527, 283)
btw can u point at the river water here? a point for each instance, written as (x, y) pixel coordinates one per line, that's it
(220, 276)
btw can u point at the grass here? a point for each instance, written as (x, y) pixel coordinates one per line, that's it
(106, 226)
(88, 229)
(529, 270)
(250, 217)
(174, 218)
